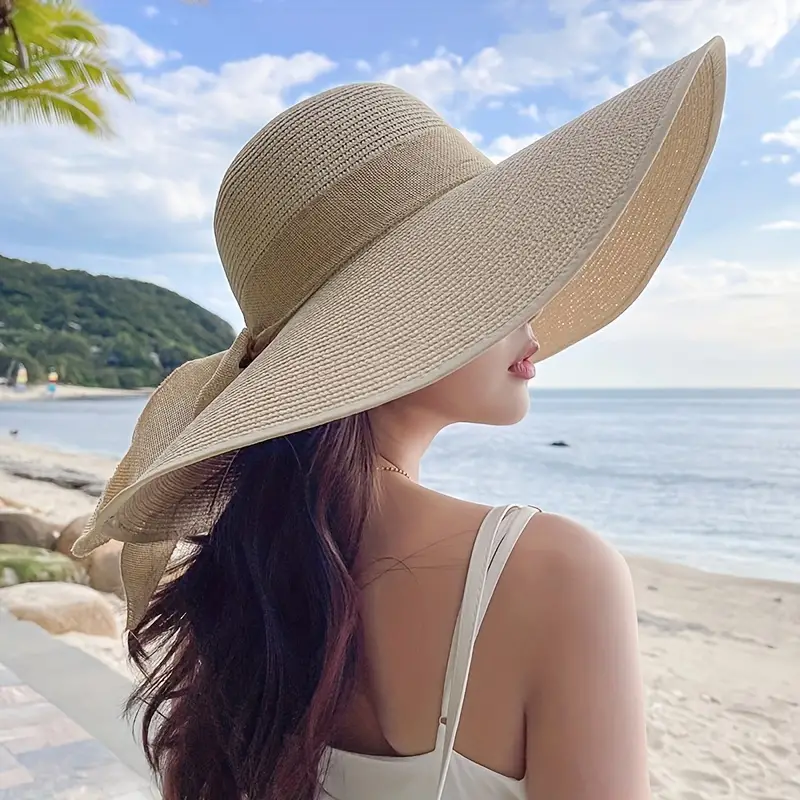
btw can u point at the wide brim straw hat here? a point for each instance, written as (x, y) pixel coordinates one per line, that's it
(373, 250)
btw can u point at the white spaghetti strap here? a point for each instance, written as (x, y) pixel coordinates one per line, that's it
(517, 521)
(476, 572)
(493, 546)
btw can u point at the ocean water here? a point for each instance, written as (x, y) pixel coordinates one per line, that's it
(706, 478)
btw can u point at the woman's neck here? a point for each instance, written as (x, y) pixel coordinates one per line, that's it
(402, 438)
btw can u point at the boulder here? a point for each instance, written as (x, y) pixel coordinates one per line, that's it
(61, 608)
(103, 568)
(25, 529)
(20, 564)
(69, 535)
(102, 564)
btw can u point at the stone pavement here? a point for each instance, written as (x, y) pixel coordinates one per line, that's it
(44, 754)
(61, 736)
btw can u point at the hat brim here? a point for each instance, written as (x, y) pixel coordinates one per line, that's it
(567, 232)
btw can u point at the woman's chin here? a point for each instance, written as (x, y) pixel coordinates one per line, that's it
(514, 410)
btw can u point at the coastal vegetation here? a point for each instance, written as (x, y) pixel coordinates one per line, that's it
(96, 330)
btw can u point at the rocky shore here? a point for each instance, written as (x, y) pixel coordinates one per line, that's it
(45, 498)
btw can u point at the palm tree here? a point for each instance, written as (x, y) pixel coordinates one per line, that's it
(53, 67)
(7, 25)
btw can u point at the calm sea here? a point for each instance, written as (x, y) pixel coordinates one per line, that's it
(707, 478)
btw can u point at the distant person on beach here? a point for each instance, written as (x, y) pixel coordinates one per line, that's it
(311, 621)
(52, 382)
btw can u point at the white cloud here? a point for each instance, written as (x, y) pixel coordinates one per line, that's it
(473, 137)
(719, 278)
(435, 80)
(156, 183)
(792, 95)
(595, 54)
(431, 80)
(789, 136)
(504, 146)
(752, 29)
(725, 304)
(516, 62)
(128, 49)
(531, 111)
(782, 158)
(151, 11)
(501, 147)
(698, 323)
(781, 225)
(795, 179)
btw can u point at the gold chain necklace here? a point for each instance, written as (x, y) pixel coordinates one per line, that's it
(393, 468)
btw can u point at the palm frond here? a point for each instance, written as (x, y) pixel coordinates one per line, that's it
(51, 102)
(66, 67)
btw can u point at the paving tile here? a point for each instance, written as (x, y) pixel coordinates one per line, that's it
(12, 773)
(58, 731)
(45, 755)
(25, 715)
(13, 781)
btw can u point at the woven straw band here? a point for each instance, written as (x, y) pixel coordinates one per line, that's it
(340, 222)
(350, 213)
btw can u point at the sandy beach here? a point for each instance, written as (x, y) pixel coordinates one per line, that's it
(721, 655)
(65, 392)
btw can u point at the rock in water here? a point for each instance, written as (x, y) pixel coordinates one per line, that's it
(25, 529)
(61, 608)
(20, 564)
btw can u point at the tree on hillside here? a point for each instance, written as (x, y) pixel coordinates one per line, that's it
(98, 330)
(53, 67)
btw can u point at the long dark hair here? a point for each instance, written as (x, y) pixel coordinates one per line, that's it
(254, 645)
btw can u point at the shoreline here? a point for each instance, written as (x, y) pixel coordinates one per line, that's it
(39, 393)
(96, 468)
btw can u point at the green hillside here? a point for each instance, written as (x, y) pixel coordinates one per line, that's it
(97, 330)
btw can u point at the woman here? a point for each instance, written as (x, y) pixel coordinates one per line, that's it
(324, 627)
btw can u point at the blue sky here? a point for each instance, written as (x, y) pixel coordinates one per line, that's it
(723, 310)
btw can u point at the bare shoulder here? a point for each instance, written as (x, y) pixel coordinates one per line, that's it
(558, 546)
(579, 664)
(564, 580)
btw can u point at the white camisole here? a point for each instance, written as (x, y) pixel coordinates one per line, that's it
(443, 774)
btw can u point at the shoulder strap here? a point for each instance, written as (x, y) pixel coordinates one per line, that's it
(493, 545)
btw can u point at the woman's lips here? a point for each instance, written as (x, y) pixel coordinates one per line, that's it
(523, 369)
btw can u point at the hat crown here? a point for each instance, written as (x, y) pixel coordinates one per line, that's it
(321, 181)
